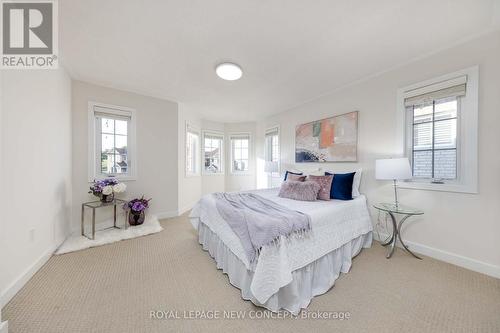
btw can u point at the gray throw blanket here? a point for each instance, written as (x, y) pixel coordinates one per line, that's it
(258, 221)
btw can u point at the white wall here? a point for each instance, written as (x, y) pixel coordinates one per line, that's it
(189, 186)
(36, 172)
(241, 182)
(462, 228)
(156, 144)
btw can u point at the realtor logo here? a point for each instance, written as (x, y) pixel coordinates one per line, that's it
(29, 34)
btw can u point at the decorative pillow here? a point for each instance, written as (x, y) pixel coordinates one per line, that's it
(292, 173)
(342, 186)
(325, 183)
(355, 183)
(304, 191)
(296, 178)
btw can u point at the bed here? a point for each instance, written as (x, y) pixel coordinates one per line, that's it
(289, 275)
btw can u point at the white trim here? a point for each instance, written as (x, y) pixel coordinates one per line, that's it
(222, 153)
(18, 283)
(167, 214)
(194, 130)
(449, 257)
(271, 130)
(232, 135)
(468, 161)
(185, 208)
(121, 111)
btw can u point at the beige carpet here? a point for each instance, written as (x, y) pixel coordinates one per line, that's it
(113, 288)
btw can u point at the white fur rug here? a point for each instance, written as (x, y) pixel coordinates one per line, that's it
(107, 236)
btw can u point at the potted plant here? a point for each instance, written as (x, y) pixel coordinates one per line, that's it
(137, 209)
(106, 188)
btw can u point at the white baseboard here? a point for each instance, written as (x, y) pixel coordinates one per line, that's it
(187, 207)
(14, 288)
(452, 258)
(167, 214)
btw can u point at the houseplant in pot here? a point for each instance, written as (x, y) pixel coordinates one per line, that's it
(105, 189)
(137, 211)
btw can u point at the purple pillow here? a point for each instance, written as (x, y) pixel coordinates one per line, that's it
(303, 191)
(325, 183)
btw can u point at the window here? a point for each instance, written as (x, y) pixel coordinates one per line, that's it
(213, 144)
(111, 141)
(441, 132)
(434, 147)
(192, 151)
(240, 148)
(272, 153)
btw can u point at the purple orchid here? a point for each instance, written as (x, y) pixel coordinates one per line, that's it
(137, 205)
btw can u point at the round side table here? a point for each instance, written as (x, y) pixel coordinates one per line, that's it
(404, 211)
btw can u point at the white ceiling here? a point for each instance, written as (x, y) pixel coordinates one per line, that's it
(290, 50)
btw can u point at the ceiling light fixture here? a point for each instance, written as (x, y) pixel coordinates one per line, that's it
(228, 71)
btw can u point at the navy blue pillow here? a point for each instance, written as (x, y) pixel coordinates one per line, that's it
(341, 185)
(293, 173)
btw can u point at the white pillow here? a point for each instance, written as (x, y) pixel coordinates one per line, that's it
(355, 182)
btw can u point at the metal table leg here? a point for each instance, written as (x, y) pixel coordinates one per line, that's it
(392, 242)
(126, 219)
(93, 223)
(114, 215)
(401, 239)
(83, 216)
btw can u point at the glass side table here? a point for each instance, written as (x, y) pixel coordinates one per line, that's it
(99, 204)
(406, 212)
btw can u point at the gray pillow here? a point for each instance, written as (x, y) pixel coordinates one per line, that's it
(303, 191)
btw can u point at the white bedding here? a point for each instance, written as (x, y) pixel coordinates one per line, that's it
(333, 224)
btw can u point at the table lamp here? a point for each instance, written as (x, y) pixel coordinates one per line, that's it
(393, 169)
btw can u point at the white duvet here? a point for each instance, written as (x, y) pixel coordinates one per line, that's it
(333, 224)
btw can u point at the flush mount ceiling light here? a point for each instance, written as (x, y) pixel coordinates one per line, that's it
(228, 71)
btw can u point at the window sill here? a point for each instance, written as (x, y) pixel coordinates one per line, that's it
(457, 188)
(213, 174)
(191, 175)
(241, 173)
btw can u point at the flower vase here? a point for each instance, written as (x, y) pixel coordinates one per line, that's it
(136, 218)
(107, 198)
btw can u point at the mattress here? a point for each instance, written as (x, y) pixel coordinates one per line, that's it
(334, 223)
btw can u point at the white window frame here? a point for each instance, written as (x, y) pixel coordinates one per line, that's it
(94, 166)
(236, 136)
(194, 130)
(222, 155)
(277, 175)
(467, 143)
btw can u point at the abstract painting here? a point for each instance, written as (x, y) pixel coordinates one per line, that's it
(332, 139)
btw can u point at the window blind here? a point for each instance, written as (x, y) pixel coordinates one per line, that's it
(272, 131)
(450, 88)
(111, 113)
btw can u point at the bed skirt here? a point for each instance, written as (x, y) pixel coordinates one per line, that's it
(309, 281)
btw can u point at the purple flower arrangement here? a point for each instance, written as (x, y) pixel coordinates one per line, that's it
(137, 205)
(99, 185)
(106, 188)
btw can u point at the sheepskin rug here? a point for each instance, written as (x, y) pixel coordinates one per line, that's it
(78, 242)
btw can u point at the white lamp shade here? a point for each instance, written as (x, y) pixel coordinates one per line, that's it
(271, 166)
(393, 169)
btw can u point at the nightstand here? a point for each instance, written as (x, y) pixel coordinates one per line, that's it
(403, 211)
